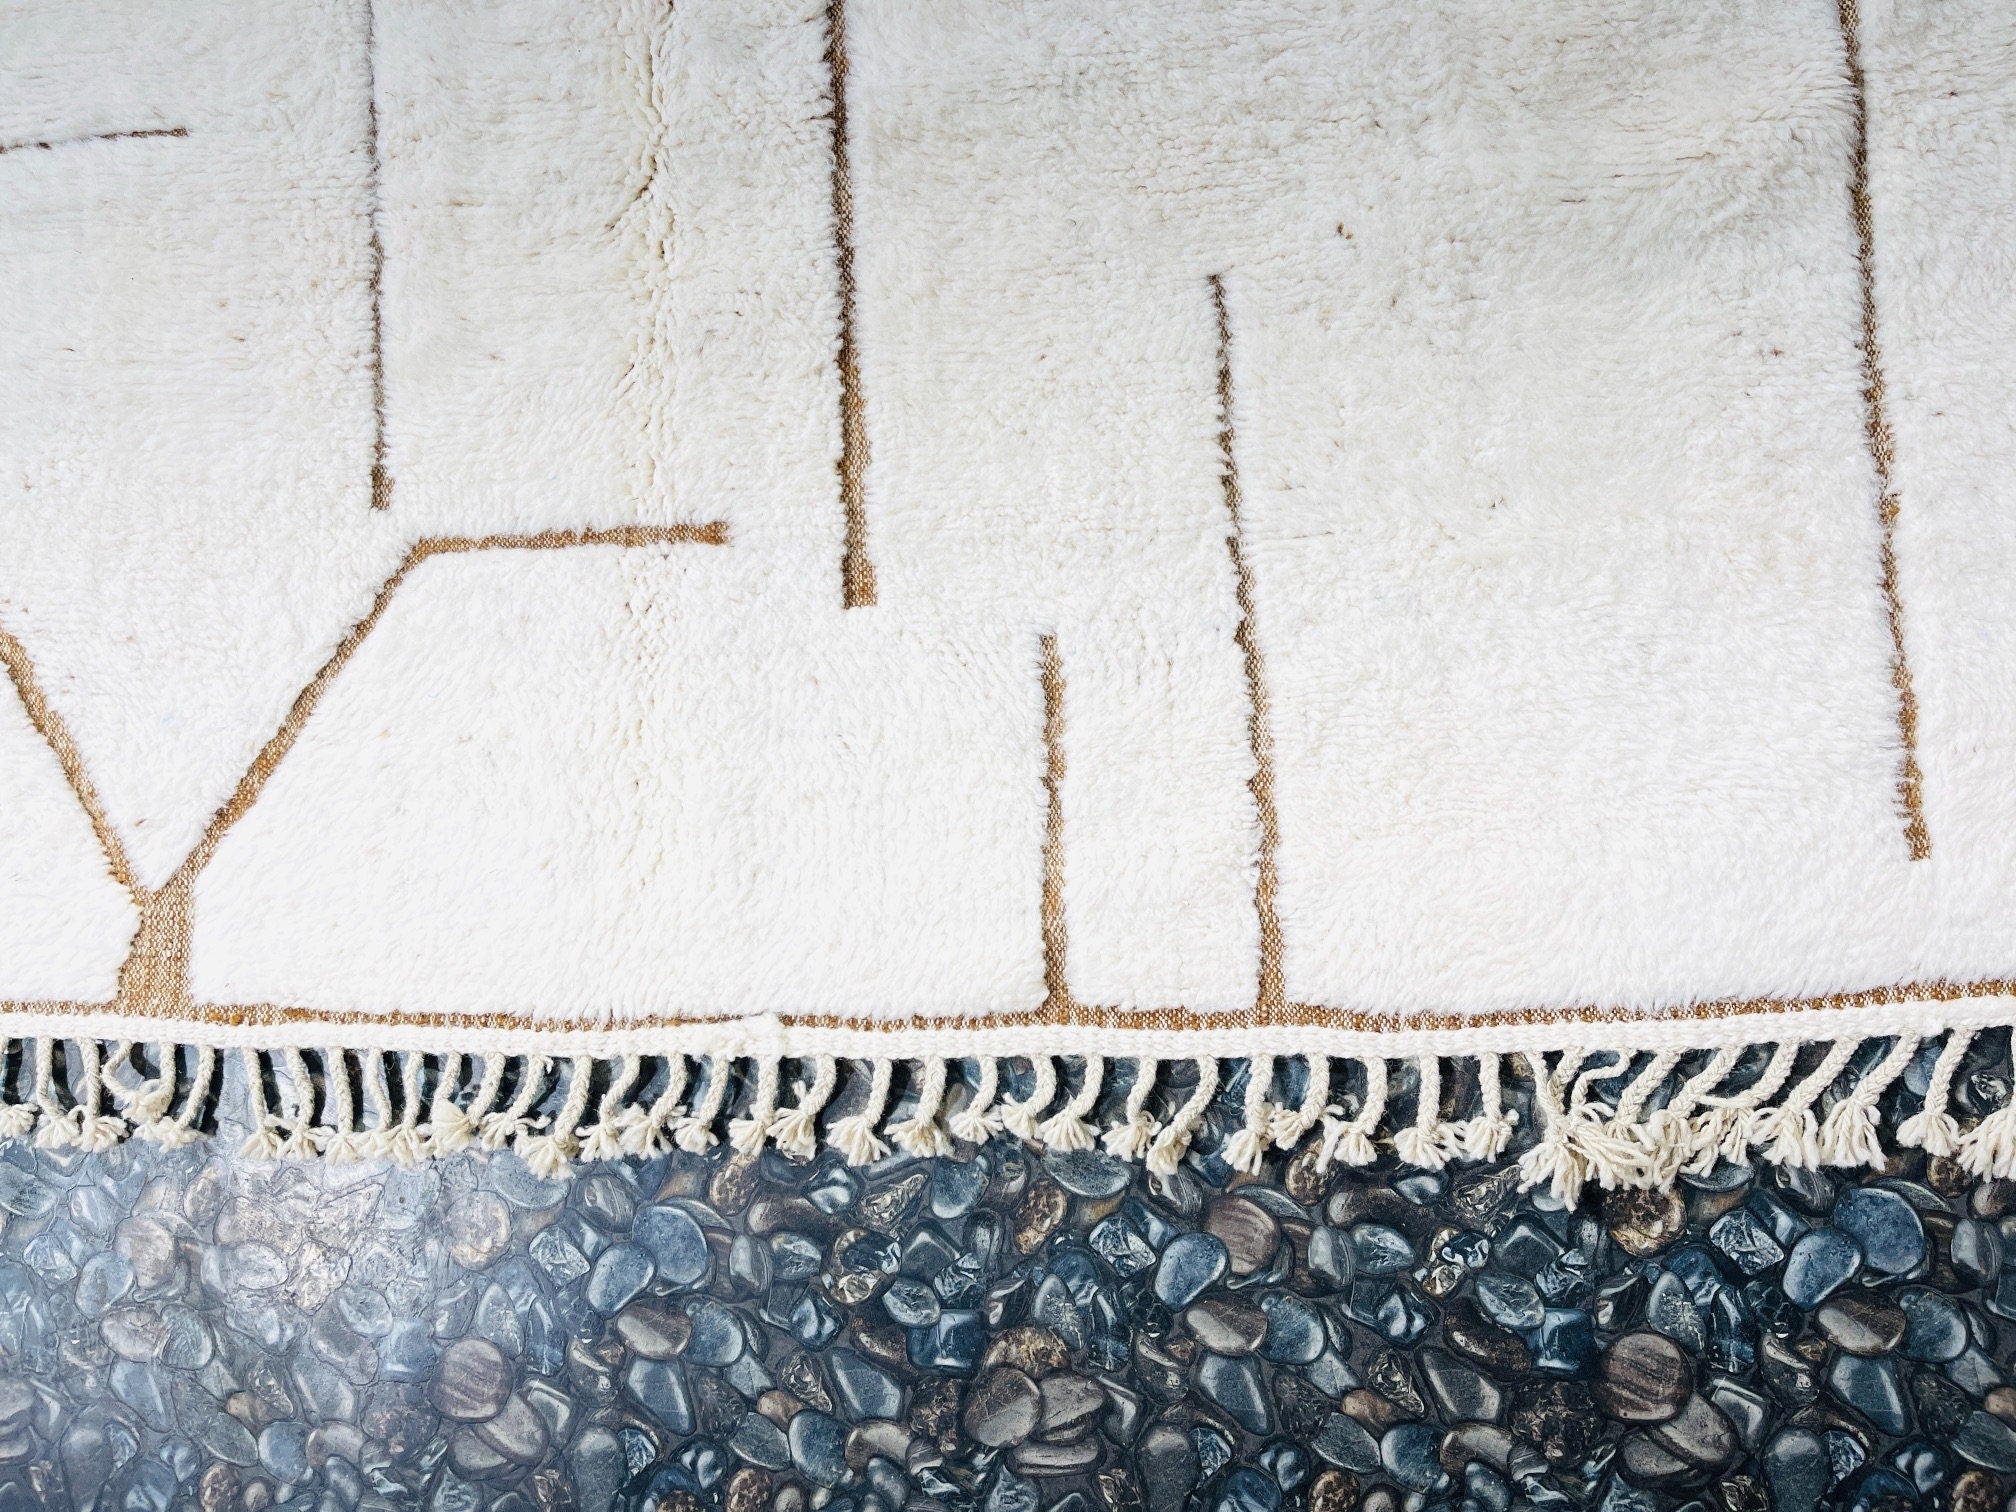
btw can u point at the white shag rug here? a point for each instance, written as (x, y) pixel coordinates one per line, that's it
(759, 531)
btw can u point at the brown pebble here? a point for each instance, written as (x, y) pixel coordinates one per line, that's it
(1334, 1491)
(657, 1333)
(1003, 1408)
(1246, 1229)
(1038, 1214)
(221, 1489)
(1643, 1378)
(472, 1381)
(1644, 1222)
(1032, 1350)
(1371, 1409)
(1861, 1324)
(748, 1490)
(1975, 1491)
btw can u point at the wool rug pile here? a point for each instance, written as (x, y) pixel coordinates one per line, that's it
(569, 565)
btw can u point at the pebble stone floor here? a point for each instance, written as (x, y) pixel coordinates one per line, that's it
(999, 1331)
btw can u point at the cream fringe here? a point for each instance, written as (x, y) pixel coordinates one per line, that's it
(1828, 1117)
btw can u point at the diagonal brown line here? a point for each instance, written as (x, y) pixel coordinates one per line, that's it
(49, 725)
(1882, 447)
(102, 136)
(857, 569)
(1272, 995)
(282, 740)
(1056, 976)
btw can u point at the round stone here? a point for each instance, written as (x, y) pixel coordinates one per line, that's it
(1644, 1221)
(1294, 1329)
(677, 1247)
(1798, 1470)
(471, 1381)
(1408, 1453)
(1821, 1263)
(1890, 1232)
(1088, 1173)
(818, 1445)
(1191, 1263)
(1226, 1326)
(1699, 1433)
(1380, 1250)
(1862, 1325)
(653, 1332)
(1934, 1327)
(1644, 1378)
(1246, 1229)
(1003, 1408)
(478, 1229)
(620, 1273)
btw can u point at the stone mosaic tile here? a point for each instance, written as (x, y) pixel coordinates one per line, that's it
(1003, 1331)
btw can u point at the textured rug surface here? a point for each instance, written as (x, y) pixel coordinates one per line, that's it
(586, 545)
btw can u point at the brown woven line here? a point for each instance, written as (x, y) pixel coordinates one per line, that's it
(1271, 998)
(1056, 941)
(381, 475)
(1882, 448)
(857, 571)
(154, 978)
(1173, 1020)
(101, 136)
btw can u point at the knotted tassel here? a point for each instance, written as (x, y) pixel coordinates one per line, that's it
(551, 1153)
(1556, 1160)
(503, 1128)
(1020, 1118)
(796, 1130)
(1489, 1134)
(644, 1129)
(695, 1132)
(95, 1128)
(919, 1134)
(265, 1141)
(343, 1145)
(1173, 1143)
(1933, 1129)
(1737, 1118)
(405, 1144)
(1421, 1142)
(1645, 1141)
(977, 1122)
(1349, 1141)
(1789, 1133)
(376, 1141)
(449, 1128)
(173, 1135)
(1069, 1128)
(16, 1119)
(1848, 1136)
(1673, 1138)
(747, 1134)
(1291, 1125)
(1130, 1139)
(854, 1136)
(1246, 1150)
(605, 1140)
(303, 1138)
